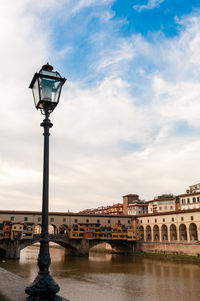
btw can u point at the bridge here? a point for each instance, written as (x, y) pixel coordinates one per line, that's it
(10, 249)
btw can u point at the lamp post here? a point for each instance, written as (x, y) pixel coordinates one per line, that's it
(46, 87)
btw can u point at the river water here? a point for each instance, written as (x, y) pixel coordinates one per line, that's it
(110, 277)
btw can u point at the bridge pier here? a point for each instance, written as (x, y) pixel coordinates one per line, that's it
(10, 249)
(80, 248)
(122, 248)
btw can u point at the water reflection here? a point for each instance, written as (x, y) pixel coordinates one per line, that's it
(114, 277)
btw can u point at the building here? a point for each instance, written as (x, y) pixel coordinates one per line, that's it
(115, 209)
(16, 231)
(137, 208)
(129, 199)
(132, 205)
(190, 199)
(162, 203)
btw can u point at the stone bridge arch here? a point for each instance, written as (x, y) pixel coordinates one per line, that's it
(80, 247)
(118, 246)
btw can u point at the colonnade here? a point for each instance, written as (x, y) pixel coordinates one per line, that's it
(170, 233)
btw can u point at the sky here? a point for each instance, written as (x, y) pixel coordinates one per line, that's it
(128, 118)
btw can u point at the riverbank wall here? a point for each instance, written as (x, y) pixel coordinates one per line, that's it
(188, 249)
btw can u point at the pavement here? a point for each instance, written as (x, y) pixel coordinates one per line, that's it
(12, 287)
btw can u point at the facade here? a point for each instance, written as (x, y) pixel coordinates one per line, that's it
(163, 203)
(129, 199)
(177, 226)
(137, 209)
(59, 220)
(16, 231)
(28, 230)
(190, 199)
(116, 209)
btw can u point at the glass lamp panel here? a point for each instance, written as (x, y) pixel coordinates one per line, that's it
(49, 89)
(36, 92)
(56, 91)
(46, 86)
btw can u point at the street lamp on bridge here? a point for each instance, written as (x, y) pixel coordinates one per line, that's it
(46, 87)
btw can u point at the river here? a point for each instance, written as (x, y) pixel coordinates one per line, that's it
(110, 277)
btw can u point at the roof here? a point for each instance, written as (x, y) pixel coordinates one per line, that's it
(12, 212)
(130, 195)
(188, 194)
(169, 212)
(137, 204)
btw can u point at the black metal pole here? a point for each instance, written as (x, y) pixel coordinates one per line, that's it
(44, 287)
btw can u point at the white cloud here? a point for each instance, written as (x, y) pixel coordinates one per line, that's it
(81, 4)
(123, 52)
(150, 5)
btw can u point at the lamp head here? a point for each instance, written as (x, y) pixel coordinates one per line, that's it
(46, 87)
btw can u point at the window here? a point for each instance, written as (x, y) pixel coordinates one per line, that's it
(119, 221)
(188, 201)
(64, 219)
(163, 219)
(141, 222)
(108, 221)
(191, 217)
(198, 199)
(139, 212)
(87, 220)
(98, 221)
(155, 220)
(171, 207)
(75, 220)
(25, 219)
(51, 219)
(14, 227)
(194, 200)
(172, 219)
(148, 221)
(160, 208)
(129, 221)
(39, 219)
(12, 218)
(182, 218)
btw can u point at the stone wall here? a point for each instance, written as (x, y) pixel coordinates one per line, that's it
(190, 249)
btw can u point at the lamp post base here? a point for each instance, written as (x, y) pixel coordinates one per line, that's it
(43, 288)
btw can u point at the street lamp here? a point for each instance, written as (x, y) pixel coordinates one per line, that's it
(46, 87)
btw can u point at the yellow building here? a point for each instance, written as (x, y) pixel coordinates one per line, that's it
(16, 231)
(119, 232)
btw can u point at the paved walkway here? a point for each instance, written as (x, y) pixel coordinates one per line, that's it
(12, 287)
